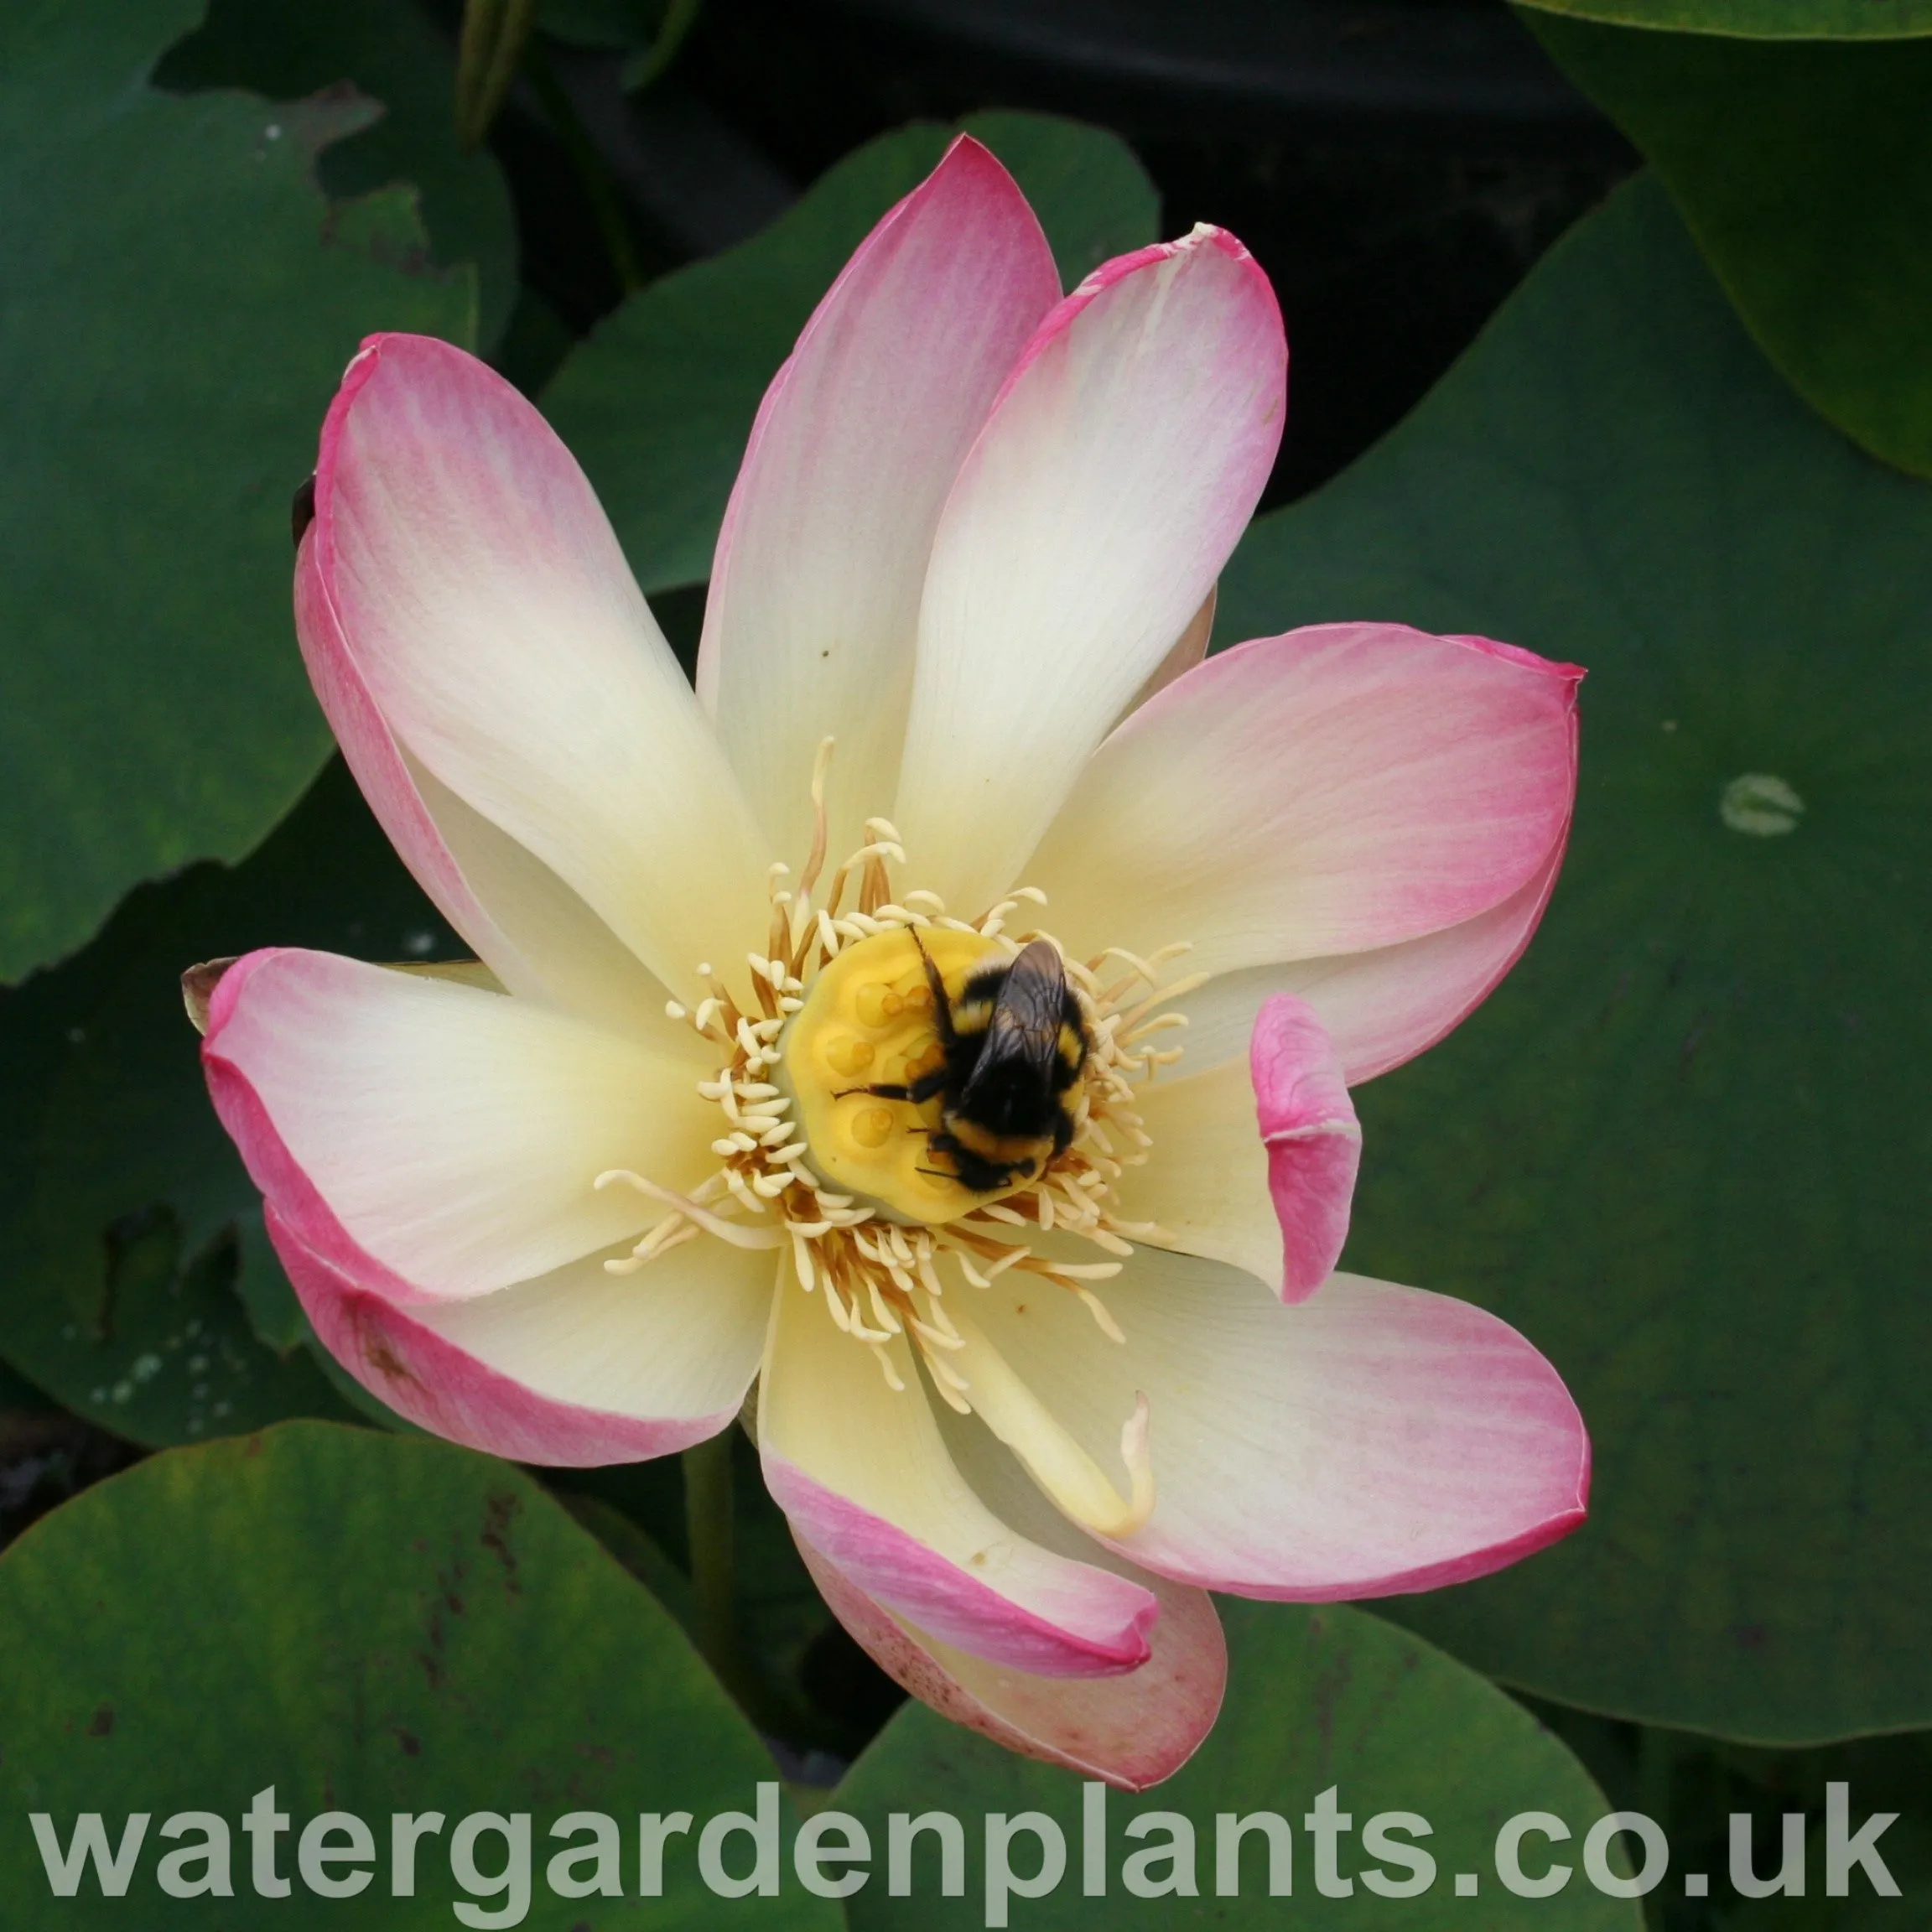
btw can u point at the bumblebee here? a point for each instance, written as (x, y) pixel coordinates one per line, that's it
(1012, 1045)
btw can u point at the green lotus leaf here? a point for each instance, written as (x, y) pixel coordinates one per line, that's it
(1317, 1699)
(136, 1282)
(1684, 1146)
(370, 1625)
(657, 404)
(287, 49)
(1758, 19)
(1804, 168)
(180, 298)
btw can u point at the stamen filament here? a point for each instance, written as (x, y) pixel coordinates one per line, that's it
(725, 1230)
(882, 1278)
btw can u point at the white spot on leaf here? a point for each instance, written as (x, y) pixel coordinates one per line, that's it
(1760, 804)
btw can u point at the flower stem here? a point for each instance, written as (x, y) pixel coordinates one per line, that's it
(599, 191)
(709, 1527)
(495, 34)
(641, 70)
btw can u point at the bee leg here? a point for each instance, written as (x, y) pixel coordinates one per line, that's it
(973, 1171)
(884, 1090)
(941, 1004)
(939, 1142)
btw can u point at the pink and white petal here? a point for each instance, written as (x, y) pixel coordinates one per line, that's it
(1131, 1731)
(1188, 650)
(1371, 1440)
(435, 1141)
(1332, 790)
(1134, 1729)
(1088, 523)
(575, 1368)
(1384, 1006)
(538, 938)
(482, 600)
(1253, 1161)
(814, 599)
(864, 1474)
(577, 964)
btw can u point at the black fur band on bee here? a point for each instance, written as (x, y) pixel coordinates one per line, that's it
(1013, 1043)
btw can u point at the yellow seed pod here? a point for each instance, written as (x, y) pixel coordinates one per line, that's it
(868, 1020)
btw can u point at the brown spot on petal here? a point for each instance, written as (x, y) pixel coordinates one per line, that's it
(384, 1359)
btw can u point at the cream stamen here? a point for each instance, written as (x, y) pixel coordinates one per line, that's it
(875, 1264)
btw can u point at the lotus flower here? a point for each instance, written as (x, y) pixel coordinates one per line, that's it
(571, 1203)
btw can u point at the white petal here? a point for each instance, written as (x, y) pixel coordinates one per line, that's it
(558, 950)
(1380, 1007)
(535, 934)
(814, 599)
(1088, 525)
(1206, 1182)
(1337, 788)
(435, 1141)
(680, 1338)
(575, 1369)
(1369, 1441)
(479, 591)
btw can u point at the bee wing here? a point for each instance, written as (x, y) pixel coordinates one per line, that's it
(1024, 1028)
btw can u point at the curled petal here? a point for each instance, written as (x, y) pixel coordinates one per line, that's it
(1255, 1157)
(863, 1472)
(1080, 1489)
(1313, 1140)
(1131, 1731)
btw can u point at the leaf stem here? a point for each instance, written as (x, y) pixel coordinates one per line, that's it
(494, 35)
(709, 1527)
(599, 191)
(641, 70)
